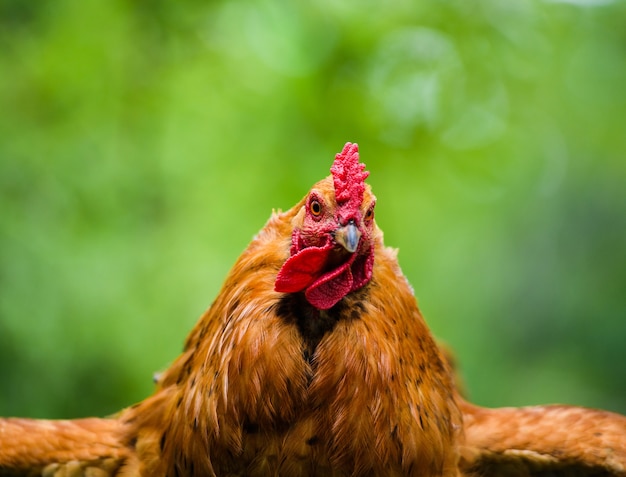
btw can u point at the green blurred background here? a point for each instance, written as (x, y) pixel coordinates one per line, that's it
(143, 144)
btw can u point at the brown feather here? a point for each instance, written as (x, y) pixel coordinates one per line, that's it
(268, 384)
(544, 440)
(54, 448)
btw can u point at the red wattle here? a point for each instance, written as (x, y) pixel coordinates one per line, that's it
(302, 269)
(331, 287)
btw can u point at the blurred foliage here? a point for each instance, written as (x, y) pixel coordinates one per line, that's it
(142, 144)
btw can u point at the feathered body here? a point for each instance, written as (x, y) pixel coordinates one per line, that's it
(268, 383)
(313, 360)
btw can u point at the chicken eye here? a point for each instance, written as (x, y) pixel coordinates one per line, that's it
(316, 208)
(369, 215)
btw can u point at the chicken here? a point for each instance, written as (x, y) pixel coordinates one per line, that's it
(313, 360)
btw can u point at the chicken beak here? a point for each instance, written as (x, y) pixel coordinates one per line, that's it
(348, 237)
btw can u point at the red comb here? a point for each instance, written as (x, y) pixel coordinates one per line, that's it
(349, 177)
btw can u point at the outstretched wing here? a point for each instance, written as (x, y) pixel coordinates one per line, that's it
(543, 441)
(30, 447)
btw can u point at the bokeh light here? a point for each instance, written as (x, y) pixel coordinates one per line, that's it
(143, 144)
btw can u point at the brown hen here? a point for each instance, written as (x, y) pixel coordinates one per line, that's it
(315, 360)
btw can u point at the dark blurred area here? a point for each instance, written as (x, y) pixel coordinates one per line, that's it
(143, 144)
